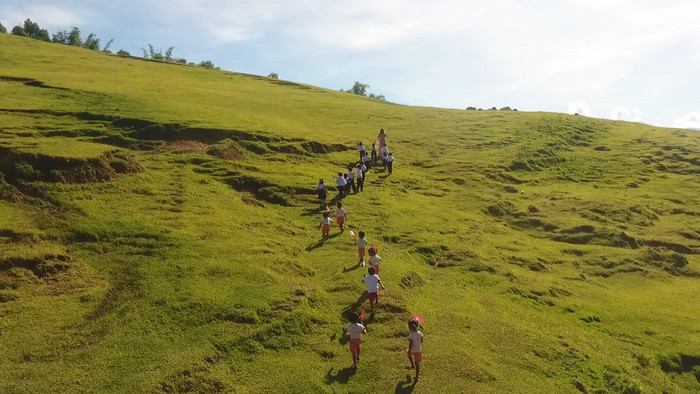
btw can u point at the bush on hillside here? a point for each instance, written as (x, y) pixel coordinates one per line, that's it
(3, 29)
(123, 52)
(206, 64)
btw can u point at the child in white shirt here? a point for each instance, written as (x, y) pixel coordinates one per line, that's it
(361, 245)
(326, 224)
(373, 282)
(374, 259)
(415, 346)
(340, 216)
(355, 329)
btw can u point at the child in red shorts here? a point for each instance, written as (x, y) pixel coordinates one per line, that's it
(355, 329)
(374, 259)
(361, 245)
(373, 282)
(415, 346)
(340, 216)
(326, 224)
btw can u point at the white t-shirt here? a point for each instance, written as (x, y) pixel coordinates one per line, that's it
(340, 181)
(326, 220)
(384, 150)
(416, 338)
(372, 283)
(361, 148)
(361, 243)
(321, 186)
(359, 174)
(390, 158)
(340, 212)
(355, 330)
(374, 260)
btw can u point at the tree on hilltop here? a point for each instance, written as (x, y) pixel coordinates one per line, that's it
(32, 30)
(152, 53)
(273, 76)
(123, 52)
(359, 88)
(19, 31)
(3, 30)
(92, 42)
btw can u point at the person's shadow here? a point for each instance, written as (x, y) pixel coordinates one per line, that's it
(321, 242)
(342, 376)
(352, 268)
(405, 386)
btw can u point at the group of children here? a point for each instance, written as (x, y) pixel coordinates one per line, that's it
(353, 179)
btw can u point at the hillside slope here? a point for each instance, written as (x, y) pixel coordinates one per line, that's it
(158, 234)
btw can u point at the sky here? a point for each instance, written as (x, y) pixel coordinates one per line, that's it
(633, 60)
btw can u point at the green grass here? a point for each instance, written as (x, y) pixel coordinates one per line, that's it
(174, 246)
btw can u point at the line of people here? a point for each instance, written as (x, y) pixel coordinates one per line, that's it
(354, 180)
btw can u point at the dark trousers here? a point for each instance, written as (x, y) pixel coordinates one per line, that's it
(374, 155)
(389, 165)
(351, 184)
(360, 184)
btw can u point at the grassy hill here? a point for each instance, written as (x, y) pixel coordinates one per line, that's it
(158, 234)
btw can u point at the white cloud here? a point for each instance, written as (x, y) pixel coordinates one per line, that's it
(627, 114)
(579, 107)
(688, 121)
(48, 16)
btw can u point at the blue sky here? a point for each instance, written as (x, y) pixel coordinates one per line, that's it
(635, 60)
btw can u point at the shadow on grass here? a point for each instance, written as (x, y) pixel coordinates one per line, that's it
(321, 242)
(352, 268)
(405, 386)
(342, 376)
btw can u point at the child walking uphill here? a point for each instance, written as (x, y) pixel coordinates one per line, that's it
(341, 182)
(355, 329)
(326, 224)
(415, 347)
(374, 259)
(322, 192)
(373, 282)
(340, 216)
(361, 245)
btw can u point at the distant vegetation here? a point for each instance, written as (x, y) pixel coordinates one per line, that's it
(73, 38)
(492, 109)
(360, 89)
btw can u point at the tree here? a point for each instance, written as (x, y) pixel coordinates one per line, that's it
(123, 53)
(377, 96)
(181, 60)
(206, 64)
(74, 37)
(106, 47)
(359, 88)
(2, 29)
(169, 54)
(505, 109)
(273, 75)
(471, 108)
(33, 30)
(19, 31)
(61, 37)
(92, 42)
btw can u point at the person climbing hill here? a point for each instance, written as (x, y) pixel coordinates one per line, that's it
(382, 138)
(355, 329)
(340, 216)
(322, 192)
(415, 347)
(325, 224)
(361, 245)
(373, 283)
